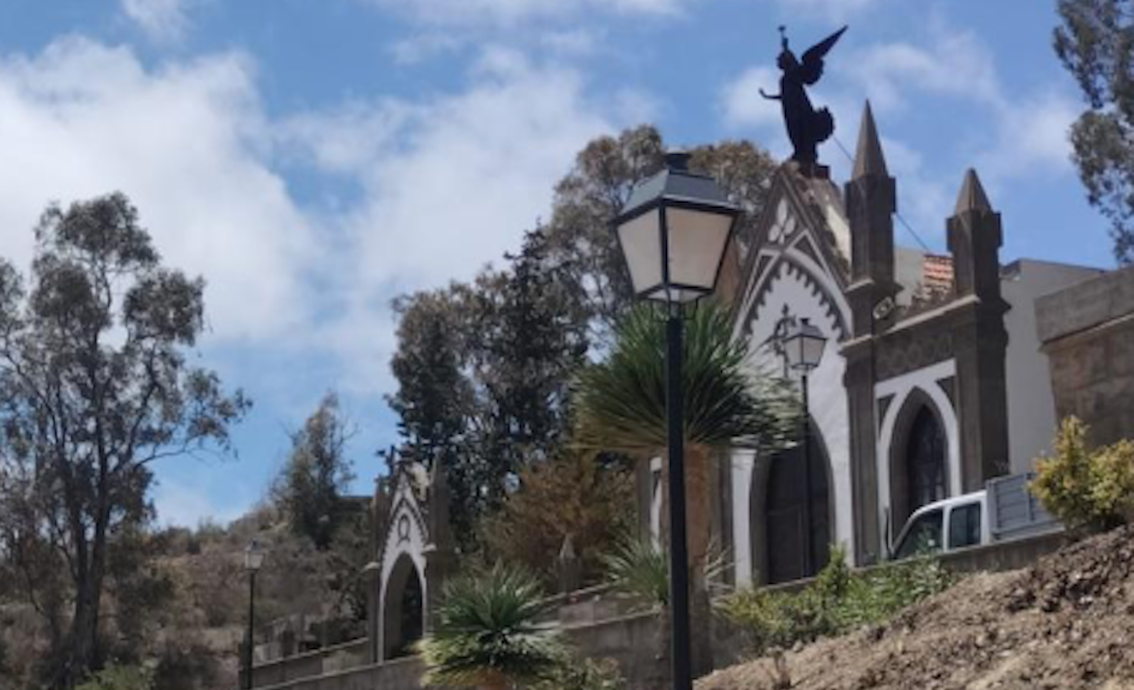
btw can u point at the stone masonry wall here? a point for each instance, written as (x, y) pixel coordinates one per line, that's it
(1087, 332)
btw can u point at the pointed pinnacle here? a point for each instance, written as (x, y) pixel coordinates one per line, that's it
(868, 158)
(972, 196)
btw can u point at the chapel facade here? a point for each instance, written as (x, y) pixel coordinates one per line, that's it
(916, 398)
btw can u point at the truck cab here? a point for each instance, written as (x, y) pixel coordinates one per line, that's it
(946, 525)
(1003, 510)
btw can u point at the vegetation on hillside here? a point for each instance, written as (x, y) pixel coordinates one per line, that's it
(1087, 488)
(836, 602)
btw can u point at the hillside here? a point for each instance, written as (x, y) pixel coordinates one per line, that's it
(196, 600)
(1067, 622)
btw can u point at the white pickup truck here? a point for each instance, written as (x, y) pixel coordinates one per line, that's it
(1003, 510)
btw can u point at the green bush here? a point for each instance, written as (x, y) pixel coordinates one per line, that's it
(835, 602)
(584, 674)
(639, 570)
(120, 678)
(489, 632)
(1085, 488)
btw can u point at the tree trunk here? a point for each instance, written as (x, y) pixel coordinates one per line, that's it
(495, 681)
(698, 519)
(80, 654)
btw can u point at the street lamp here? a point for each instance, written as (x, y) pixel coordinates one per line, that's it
(802, 348)
(253, 561)
(673, 232)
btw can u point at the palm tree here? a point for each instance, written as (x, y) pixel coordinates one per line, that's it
(620, 403)
(489, 634)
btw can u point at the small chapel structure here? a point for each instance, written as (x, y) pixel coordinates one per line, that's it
(932, 383)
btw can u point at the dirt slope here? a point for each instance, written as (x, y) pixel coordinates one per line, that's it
(1067, 622)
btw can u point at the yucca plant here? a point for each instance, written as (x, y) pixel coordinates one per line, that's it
(639, 570)
(620, 402)
(488, 632)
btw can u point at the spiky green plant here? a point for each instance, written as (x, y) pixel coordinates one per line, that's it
(620, 402)
(727, 402)
(639, 570)
(488, 632)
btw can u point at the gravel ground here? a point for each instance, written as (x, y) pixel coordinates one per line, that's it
(1067, 622)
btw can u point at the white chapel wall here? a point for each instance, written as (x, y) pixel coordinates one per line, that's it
(806, 297)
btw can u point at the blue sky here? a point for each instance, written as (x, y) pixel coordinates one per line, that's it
(315, 158)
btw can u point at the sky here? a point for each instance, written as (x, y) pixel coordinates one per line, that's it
(313, 159)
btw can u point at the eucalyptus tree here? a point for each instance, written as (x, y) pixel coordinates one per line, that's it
(1094, 41)
(95, 386)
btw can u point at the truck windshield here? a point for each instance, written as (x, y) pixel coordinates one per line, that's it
(922, 536)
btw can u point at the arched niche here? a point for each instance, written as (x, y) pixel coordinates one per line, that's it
(778, 510)
(919, 457)
(403, 616)
(403, 591)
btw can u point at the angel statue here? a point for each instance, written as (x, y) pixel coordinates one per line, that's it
(806, 126)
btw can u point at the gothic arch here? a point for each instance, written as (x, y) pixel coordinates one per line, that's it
(403, 614)
(777, 510)
(919, 457)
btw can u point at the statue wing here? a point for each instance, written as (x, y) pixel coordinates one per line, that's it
(812, 60)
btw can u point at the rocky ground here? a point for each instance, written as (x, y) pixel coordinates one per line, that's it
(1067, 622)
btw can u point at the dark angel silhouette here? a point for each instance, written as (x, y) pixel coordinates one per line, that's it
(806, 126)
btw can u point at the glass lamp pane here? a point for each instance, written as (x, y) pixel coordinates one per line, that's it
(641, 245)
(793, 350)
(697, 241)
(253, 558)
(813, 345)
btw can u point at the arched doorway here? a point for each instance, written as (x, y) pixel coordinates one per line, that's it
(918, 469)
(404, 609)
(785, 530)
(925, 460)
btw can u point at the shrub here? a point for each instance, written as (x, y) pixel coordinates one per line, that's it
(574, 495)
(637, 569)
(584, 674)
(489, 632)
(120, 678)
(836, 602)
(1085, 488)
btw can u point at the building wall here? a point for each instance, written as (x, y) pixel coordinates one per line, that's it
(810, 293)
(1087, 331)
(1031, 403)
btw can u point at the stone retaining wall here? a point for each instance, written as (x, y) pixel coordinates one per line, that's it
(633, 640)
(1087, 332)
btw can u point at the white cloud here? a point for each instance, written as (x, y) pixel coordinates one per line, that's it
(573, 42)
(187, 504)
(1034, 135)
(82, 119)
(509, 13)
(449, 184)
(836, 10)
(161, 20)
(741, 102)
(421, 47)
(953, 63)
(1028, 132)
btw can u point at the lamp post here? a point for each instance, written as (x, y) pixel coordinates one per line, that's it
(253, 560)
(673, 232)
(802, 349)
